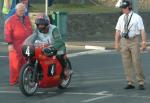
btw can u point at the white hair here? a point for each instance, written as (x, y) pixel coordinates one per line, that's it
(20, 5)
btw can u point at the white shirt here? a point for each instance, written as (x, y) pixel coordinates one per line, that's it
(135, 25)
(46, 38)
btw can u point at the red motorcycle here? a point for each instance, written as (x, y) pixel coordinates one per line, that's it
(43, 69)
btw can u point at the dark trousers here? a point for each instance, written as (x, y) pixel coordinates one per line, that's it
(62, 60)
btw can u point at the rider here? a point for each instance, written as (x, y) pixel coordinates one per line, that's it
(49, 34)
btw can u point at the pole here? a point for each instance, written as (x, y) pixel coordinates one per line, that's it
(46, 7)
(135, 5)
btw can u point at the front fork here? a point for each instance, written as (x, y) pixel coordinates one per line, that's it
(35, 76)
(35, 68)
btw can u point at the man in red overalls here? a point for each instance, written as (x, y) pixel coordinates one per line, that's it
(17, 28)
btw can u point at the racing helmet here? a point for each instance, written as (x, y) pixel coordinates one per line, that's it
(44, 21)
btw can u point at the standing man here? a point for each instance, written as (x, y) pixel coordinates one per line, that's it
(128, 29)
(17, 28)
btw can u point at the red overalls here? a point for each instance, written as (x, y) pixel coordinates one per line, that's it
(16, 32)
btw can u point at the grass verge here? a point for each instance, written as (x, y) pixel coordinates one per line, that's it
(74, 8)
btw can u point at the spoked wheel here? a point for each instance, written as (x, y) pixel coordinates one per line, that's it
(66, 81)
(27, 85)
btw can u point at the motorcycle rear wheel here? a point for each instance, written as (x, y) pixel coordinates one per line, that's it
(27, 85)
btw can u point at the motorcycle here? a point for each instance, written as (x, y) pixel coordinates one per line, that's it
(42, 70)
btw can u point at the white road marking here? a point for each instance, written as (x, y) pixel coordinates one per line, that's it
(88, 52)
(69, 93)
(99, 93)
(94, 47)
(148, 97)
(3, 56)
(102, 94)
(9, 92)
(3, 43)
(97, 98)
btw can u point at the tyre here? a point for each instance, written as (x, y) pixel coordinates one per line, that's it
(27, 85)
(65, 82)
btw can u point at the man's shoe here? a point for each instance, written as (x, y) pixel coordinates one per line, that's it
(141, 87)
(129, 87)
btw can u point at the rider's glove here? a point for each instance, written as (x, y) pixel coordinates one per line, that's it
(52, 48)
(49, 51)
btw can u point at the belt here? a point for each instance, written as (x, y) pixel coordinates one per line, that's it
(130, 38)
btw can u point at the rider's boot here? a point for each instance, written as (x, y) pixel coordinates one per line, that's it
(67, 73)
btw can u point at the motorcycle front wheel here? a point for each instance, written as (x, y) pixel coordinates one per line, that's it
(27, 84)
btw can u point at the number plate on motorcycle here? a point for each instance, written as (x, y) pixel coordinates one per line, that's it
(52, 70)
